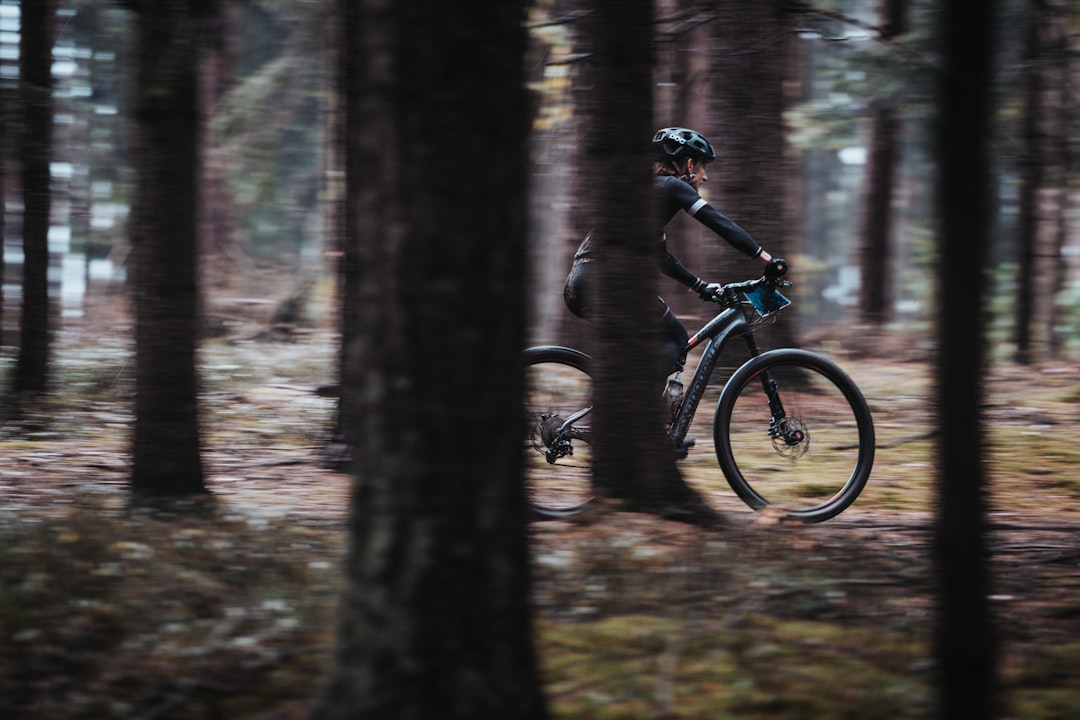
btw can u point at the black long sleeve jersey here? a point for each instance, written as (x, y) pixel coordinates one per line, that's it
(674, 195)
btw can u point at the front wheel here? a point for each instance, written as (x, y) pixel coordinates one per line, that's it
(558, 406)
(794, 432)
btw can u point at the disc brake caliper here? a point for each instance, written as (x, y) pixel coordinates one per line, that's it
(789, 436)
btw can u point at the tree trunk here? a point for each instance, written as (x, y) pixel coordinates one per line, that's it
(634, 460)
(683, 75)
(748, 180)
(166, 454)
(964, 641)
(579, 220)
(1061, 83)
(1031, 179)
(1045, 172)
(5, 103)
(347, 135)
(435, 619)
(36, 41)
(876, 233)
(217, 226)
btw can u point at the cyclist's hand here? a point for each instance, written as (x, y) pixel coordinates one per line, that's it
(709, 291)
(776, 268)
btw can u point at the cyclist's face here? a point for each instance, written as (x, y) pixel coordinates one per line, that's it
(697, 169)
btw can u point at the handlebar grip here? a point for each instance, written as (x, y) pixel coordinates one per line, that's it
(776, 268)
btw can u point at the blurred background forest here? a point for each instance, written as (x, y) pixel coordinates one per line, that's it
(823, 115)
(857, 91)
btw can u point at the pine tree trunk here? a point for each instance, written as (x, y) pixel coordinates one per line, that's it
(36, 41)
(877, 217)
(217, 226)
(166, 457)
(748, 180)
(1031, 180)
(344, 438)
(964, 642)
(5, 102)
(633, 458)
(435, 619)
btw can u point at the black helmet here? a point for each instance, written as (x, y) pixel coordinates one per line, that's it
(678, 144)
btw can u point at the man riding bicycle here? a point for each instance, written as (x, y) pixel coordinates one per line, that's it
(680, 155)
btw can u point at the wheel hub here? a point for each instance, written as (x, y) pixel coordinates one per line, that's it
(790, 437)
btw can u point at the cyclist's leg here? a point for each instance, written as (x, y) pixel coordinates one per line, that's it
(577, 288)
(675, 338)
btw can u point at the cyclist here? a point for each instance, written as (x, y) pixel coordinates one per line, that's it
(681, 155)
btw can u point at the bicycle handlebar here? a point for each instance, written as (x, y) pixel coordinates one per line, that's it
(766, 303)
(750, 285)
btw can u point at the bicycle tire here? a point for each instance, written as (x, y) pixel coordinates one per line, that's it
(557, 467)
(814, 463)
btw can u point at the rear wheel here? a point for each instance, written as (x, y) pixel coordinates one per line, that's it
(558, 458)
(812, 459)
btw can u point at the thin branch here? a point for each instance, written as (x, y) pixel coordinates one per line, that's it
(880, 33)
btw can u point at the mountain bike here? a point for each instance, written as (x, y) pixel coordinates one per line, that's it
(791, 430)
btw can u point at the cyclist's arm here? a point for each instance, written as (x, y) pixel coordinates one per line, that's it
(683, 196)
(670, 266)
(677, 195)
(723, 226)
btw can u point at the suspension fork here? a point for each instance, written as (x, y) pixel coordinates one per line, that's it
(770, 386)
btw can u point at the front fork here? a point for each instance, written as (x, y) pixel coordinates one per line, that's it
(781, 428)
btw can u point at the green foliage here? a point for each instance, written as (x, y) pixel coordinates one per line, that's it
(270, 132)
(852, 67)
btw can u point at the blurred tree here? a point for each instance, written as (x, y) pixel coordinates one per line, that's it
(964, 642)
(217, 76)
(850, 67)
(1043, 171)
(634, 459)
(35, 51)
(341, 217)
(1064, 131)
(683, 77)
(100, 33)
(1031, 162)
(878, 275)
(5, 104)
(579, 219)
(268, 132)
(749, 180)
(166, 451)
(435, 619)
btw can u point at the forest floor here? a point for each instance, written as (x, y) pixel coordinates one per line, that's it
(225, 608)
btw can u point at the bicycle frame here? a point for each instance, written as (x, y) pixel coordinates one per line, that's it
(730, 322)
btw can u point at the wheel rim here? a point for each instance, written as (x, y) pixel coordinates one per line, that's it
(558, 467)
(814, 462)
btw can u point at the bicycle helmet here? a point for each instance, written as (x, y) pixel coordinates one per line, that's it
(678, 144)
